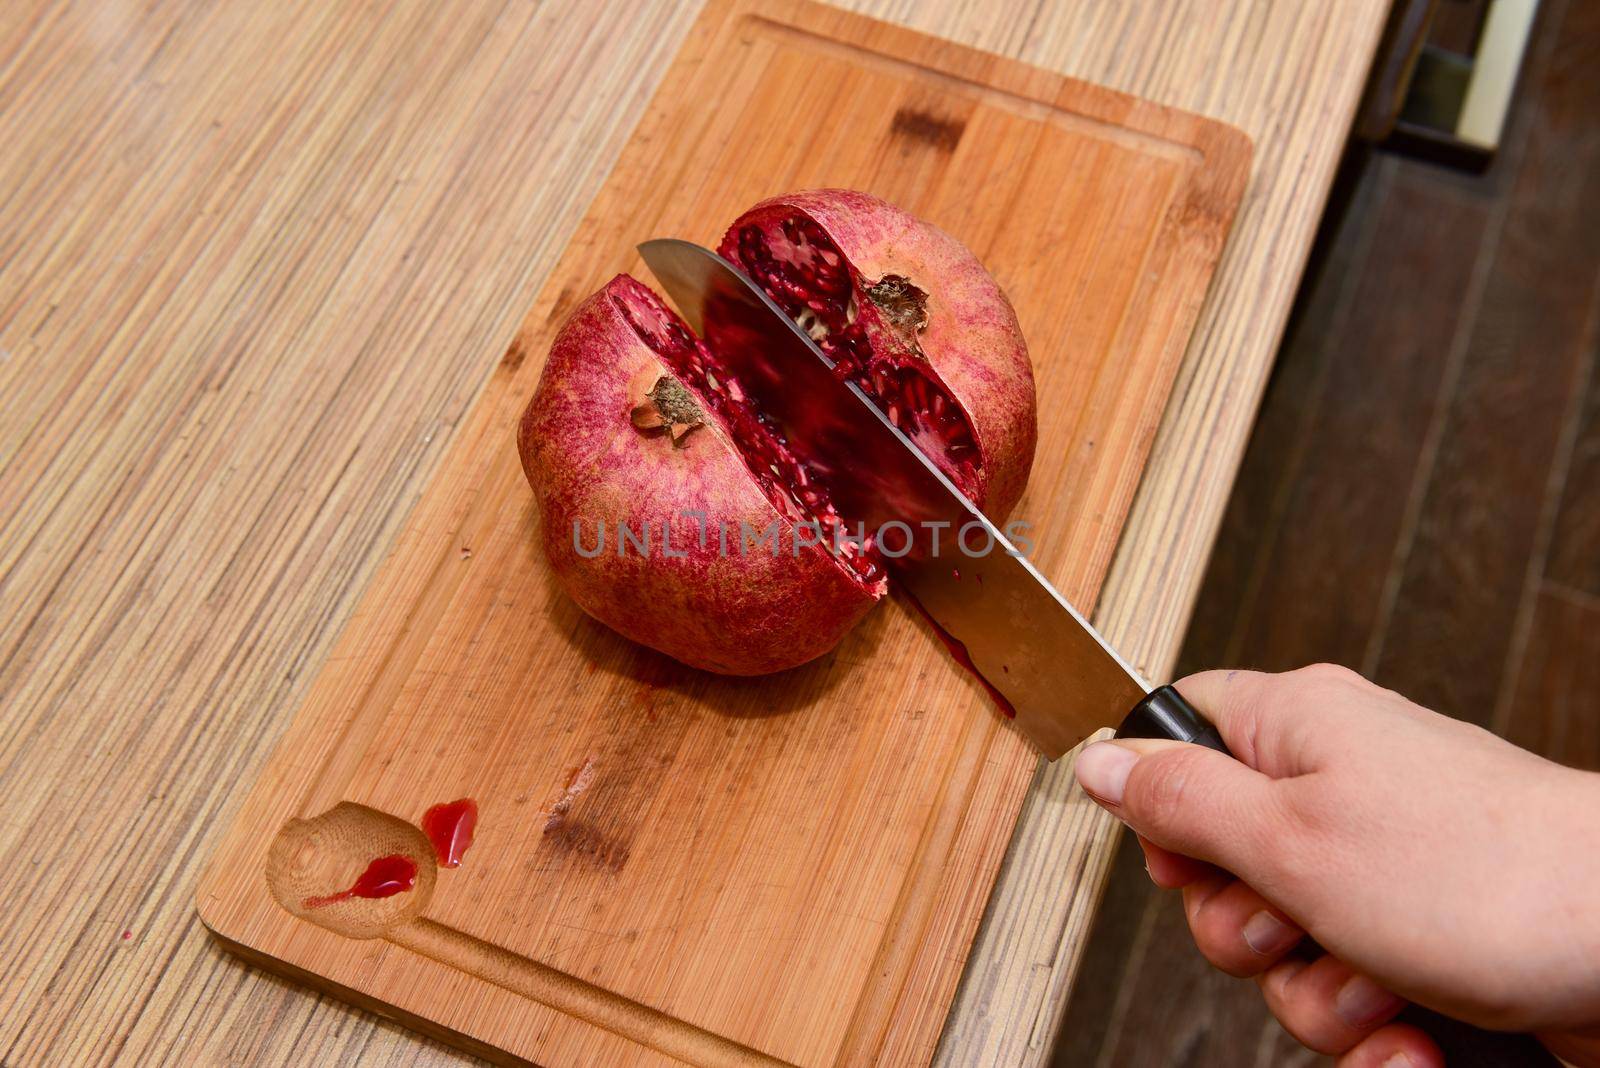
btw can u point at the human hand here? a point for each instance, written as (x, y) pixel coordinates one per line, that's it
(1431, 860)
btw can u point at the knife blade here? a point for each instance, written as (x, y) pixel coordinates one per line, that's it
(1044, 663)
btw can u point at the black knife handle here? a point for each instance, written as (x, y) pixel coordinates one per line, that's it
(1165, 714)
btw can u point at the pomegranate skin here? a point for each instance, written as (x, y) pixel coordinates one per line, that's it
(971, 341)
(742, 613)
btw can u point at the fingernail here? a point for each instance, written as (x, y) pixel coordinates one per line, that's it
(1396, 1060)
(1360, 1001)
(1103, 770)
(1267, 935)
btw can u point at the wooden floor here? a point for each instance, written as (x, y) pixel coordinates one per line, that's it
(1420, 500)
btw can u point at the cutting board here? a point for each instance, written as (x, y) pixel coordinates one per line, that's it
(670, 866)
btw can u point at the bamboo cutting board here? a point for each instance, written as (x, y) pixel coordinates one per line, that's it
(670, 866)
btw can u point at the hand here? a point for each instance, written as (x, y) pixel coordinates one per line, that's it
(1431, 860)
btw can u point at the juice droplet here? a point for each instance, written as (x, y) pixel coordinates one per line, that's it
(449, 826)
(384, 877)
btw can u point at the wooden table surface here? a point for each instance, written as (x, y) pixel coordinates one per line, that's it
(255, 262)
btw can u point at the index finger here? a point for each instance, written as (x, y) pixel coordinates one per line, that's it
(1273, 721)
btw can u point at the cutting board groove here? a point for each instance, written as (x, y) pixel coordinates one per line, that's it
(671, 866)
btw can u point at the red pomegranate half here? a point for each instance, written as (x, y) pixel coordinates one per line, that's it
(672, 513)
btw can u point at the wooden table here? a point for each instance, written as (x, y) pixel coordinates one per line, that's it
(256, 260)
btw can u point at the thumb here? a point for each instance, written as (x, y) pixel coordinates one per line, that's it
(1186, 798)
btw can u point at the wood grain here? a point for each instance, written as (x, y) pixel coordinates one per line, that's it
(790, 867)
(1529, 351)
(1332, 541)
(1575, 542)
(1555, 707)
(1281, 438)
(256, 260)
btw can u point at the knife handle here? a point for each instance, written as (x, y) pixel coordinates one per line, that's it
(1165, 714)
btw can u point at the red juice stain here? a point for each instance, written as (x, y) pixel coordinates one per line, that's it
(449, 827)
(958, 650)
(126, 935)
(384, 877)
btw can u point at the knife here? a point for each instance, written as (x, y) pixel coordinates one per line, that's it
(1030, 647)
(1033, 651)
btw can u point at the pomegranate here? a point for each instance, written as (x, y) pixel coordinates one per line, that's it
(913, 317)
(671, 510)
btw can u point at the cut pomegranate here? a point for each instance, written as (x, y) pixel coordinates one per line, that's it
(637, 426)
